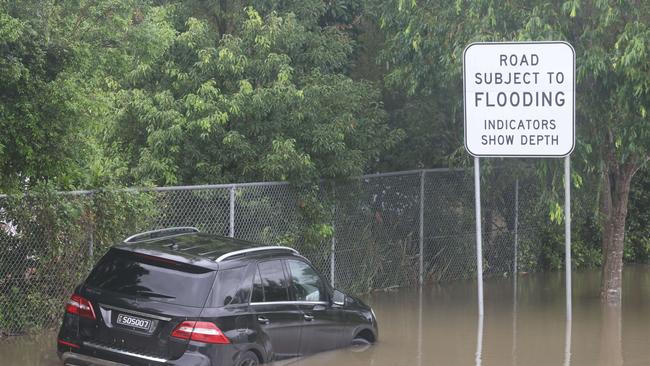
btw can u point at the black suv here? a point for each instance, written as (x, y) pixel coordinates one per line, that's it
(179, 297)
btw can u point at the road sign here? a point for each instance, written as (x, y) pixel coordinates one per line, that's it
(519, 99)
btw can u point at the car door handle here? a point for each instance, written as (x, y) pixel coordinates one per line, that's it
(263, 320)
(308, 317)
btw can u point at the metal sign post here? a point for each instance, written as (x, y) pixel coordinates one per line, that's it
(567, 233)
(567, 259)
(479, 233)
(519, 101)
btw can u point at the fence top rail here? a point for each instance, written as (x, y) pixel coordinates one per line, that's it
(411, 172)
(249, 184)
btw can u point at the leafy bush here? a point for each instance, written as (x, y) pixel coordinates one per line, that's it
(45, 247)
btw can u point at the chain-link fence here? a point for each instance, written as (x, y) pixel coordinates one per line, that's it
(380, 231)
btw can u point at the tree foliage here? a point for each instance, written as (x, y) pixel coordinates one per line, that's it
(38, 99)
(266, 100)
(136, 91)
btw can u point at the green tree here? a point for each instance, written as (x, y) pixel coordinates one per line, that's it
(233, 93)
(425, 41)
(168, 92)
(58, 61)
(38, 122)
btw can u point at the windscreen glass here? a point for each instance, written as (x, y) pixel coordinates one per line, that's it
(152, 278)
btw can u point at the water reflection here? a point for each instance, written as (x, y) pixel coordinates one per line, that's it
(479, 341)
(438, 325)
(611, 342)
(515, 294)
(420, 308)
(568, 293)
(567, 341)
(568, 324)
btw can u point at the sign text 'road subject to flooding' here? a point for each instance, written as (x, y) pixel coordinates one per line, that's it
(519, 99)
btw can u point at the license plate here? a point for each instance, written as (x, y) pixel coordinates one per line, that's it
(133, 321)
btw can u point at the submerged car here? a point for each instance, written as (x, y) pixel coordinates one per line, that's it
(180, 297)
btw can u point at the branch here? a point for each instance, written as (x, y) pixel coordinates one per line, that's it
(643, 162)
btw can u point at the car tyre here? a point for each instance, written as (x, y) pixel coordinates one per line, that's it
(360, 345)
(248, 358)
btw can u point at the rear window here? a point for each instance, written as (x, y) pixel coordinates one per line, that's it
(153, 278)
(232, 288)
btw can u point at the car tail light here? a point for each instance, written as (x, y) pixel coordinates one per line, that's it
(201, 332)
(78, 305)
(68, 344)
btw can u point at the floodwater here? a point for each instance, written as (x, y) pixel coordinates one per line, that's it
(440, 326)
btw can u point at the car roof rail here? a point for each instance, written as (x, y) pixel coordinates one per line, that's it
(161, 233)
(245, 252)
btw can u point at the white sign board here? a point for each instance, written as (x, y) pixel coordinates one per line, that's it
(519, 99)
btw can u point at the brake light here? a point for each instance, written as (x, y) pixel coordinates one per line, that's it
(201, 332)
(78, 305)
(158, 259)
(67, 344)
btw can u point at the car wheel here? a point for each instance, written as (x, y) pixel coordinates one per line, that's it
(248, 359)
(360, 345)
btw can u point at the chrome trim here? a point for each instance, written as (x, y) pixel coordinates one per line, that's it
(71, 356)
(290, 303)
(252, 250)
(134, 312)
(125, 353)
(189, 229)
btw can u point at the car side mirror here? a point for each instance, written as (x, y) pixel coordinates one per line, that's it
(338, 298)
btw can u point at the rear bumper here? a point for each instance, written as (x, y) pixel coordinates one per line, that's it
(71, 358)
(76, 359)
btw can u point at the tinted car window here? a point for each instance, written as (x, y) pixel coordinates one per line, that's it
(258, 292)
(274, 282)
(153, 278)
(230, 288)
(306, 284)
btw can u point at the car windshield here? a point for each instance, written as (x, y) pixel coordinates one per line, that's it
(153, 278)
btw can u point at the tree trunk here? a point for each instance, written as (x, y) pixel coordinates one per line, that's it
(616, 191)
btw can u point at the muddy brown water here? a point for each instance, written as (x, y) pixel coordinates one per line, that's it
(440, 326)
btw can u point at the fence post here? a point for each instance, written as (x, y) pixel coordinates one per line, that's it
(516, 264)
(333, 260)
(91, 238)
(421, 278)
(231, 231)
(90, 248)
